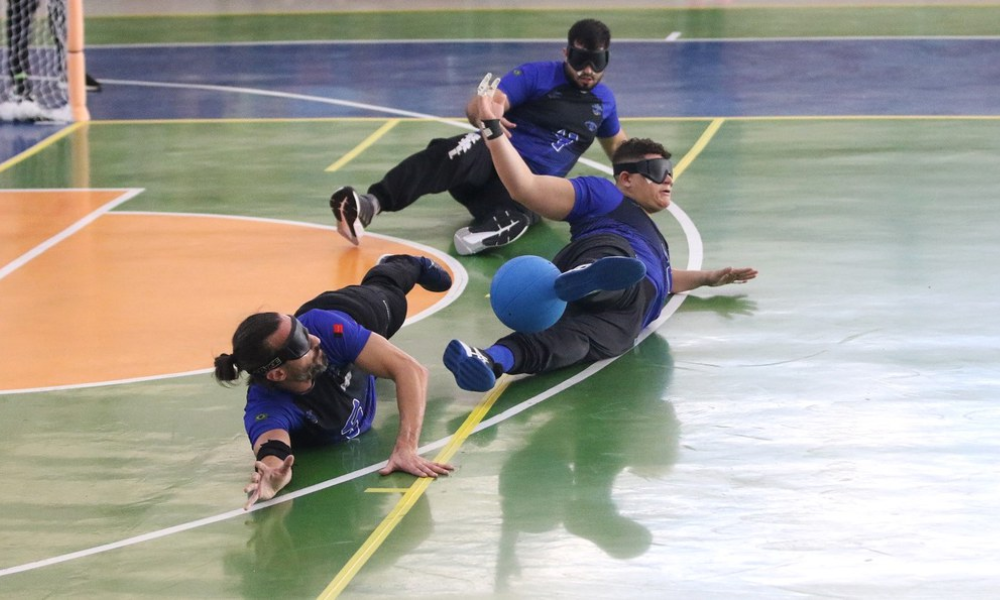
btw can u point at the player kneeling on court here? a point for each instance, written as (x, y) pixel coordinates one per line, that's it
(312, 374)
(615, 272)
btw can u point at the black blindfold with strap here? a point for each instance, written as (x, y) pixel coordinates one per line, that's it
(295, 347)
(654, 169)
(579, 59)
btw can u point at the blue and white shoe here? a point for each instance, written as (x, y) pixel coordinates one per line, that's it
(432, 278)
(608, 273)
(473, 368)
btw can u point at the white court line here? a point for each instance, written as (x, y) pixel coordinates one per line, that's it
(25, 258)
(288, 96)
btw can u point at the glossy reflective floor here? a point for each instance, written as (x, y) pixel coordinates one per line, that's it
(825, 431)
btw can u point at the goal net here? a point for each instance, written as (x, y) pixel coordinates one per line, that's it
(38, 55)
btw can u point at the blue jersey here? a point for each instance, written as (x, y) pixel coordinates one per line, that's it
(556, 121)
(601, 208)
(341, 403)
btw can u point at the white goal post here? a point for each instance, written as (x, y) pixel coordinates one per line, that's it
(43, 76)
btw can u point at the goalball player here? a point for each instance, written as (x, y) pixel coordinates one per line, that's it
(608, 220)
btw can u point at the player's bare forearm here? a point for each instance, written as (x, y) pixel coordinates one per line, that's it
(551, 197)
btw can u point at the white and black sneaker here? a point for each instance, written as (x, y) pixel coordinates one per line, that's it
(353, 211)
(500, 229)
(473, 369)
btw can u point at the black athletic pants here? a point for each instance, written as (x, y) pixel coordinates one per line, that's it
(379, 302)
(459, 165)
(594, 328)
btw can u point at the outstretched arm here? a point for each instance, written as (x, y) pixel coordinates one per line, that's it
(551, 197)
(684, 281)
(270, 473)
(382, 359)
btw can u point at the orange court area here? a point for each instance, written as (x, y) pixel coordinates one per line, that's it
(134, 295)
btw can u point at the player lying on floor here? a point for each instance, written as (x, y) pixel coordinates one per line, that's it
(609, 304)
(312, 374)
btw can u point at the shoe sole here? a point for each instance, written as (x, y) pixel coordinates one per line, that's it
(609, 273)
(470, 373)
(345, 209)
(478, 244)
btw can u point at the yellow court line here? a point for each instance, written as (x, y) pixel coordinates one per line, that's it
(386, 490)
(411, 496)
(384, 129)
(706, 136)
(52, 139)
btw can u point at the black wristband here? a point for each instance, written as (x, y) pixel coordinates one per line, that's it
(493, 125)
(274, 448)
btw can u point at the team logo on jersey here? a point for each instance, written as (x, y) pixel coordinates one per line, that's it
(591, 126)
(564, 138)
(338, 330)
(597, 109)
(518, 72)
(352, 428)
(260, 417)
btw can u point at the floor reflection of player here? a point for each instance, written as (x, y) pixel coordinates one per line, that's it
(722, 305)
(565, 475)
(296, 547)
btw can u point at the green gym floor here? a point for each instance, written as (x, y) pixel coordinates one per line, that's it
(824, 431)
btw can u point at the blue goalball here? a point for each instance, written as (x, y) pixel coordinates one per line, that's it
(523, 295)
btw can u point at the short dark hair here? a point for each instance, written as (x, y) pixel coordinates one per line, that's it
(591, 34)
(250, 349)
(635, 149)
